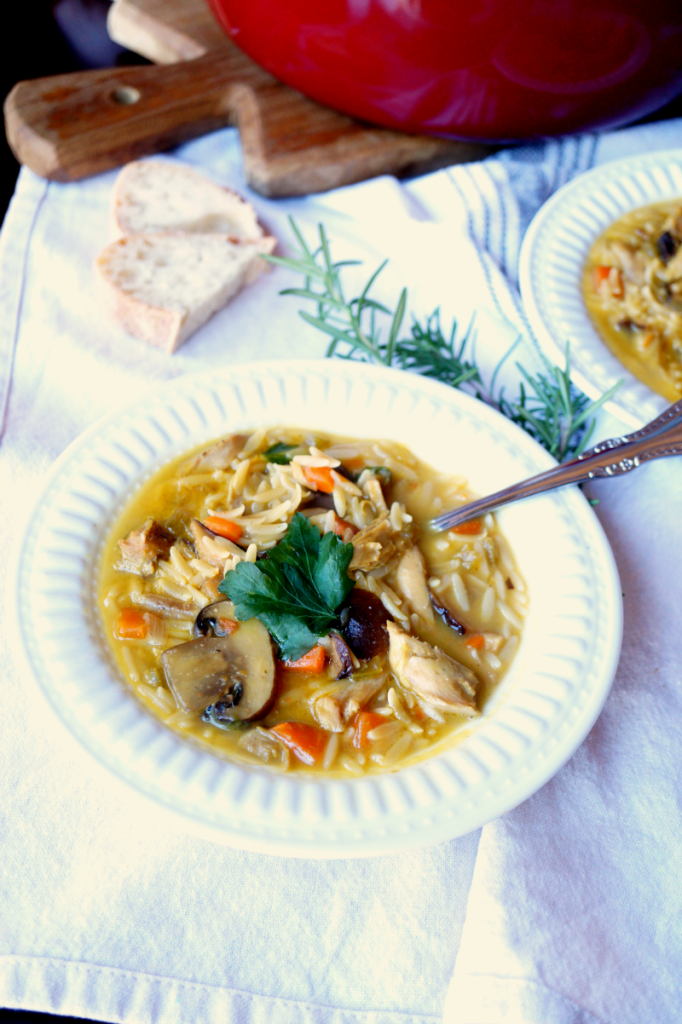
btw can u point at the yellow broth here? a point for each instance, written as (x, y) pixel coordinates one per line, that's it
(474, 574)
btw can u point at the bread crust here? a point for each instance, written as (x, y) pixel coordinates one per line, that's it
(157, 203)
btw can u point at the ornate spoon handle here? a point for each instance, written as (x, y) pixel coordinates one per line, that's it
(661, 437)
(667, 419)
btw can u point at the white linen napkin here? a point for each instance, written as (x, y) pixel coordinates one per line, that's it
(115, 915)
(573, 899)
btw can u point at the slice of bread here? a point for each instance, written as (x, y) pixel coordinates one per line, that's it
(161, 287)
(153, 195)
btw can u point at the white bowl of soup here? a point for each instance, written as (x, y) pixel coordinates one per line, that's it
(425, 684)
(598, 271)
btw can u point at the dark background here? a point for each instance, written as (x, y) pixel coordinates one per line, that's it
(26, 1017)
(50, 37)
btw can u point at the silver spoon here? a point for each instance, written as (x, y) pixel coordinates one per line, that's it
(618, 455)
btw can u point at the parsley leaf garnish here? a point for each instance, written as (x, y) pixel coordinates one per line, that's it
(279, 453)
(297, 589)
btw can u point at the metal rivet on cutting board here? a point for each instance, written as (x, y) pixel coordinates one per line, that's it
(125, 95)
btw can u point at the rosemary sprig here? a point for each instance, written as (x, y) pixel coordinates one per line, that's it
(554, 412)
(548, 407)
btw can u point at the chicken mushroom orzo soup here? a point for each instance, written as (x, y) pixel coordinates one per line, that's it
(280, 598)
(633, 292)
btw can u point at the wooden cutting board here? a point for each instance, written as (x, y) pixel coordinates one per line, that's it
(71, 126)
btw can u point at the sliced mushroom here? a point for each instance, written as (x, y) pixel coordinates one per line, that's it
(666, 246)
(209, 670)
(166, 607)
(219, 456)
(141, 549)
(340, 658)
(210, 620)
(411, 580)
(364, 619)
(448, 616)
(323, 502)
(220, 713)
(430, 673)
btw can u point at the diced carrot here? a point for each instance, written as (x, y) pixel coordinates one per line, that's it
(312, 662)
(365, 721)
(223, 527)
(320, 478)
(470, 528)
(613, 278)
(476, 641)
(306, 741)
(228, 626)
(341, 525)
(131, 624)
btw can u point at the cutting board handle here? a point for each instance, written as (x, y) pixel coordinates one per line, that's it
(71, 126)
(68, 127)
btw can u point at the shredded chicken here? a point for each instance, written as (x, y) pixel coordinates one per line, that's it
(219, 456)
(431, 674)
(334, 711)
(378, 543)
(142, 549)
(411, 580)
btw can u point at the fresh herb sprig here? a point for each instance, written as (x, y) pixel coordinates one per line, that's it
(548, 407)
(297, 589)
(554, 412)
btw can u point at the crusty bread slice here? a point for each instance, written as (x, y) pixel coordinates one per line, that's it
(153, 195)
(161, 287)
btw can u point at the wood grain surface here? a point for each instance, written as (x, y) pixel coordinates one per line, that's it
(70, 126)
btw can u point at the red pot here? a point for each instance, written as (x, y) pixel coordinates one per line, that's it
(494, 70)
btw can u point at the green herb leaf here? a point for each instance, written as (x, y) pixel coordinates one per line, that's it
(297, 589)
(331, 572)
(279, 453)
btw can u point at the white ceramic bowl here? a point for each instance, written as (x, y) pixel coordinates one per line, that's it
(552, 258)
(549, 701)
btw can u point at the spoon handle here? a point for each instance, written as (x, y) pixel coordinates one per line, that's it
(661, 437)
(668, 419)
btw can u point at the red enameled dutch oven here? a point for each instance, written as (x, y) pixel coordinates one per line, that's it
(494, 70)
